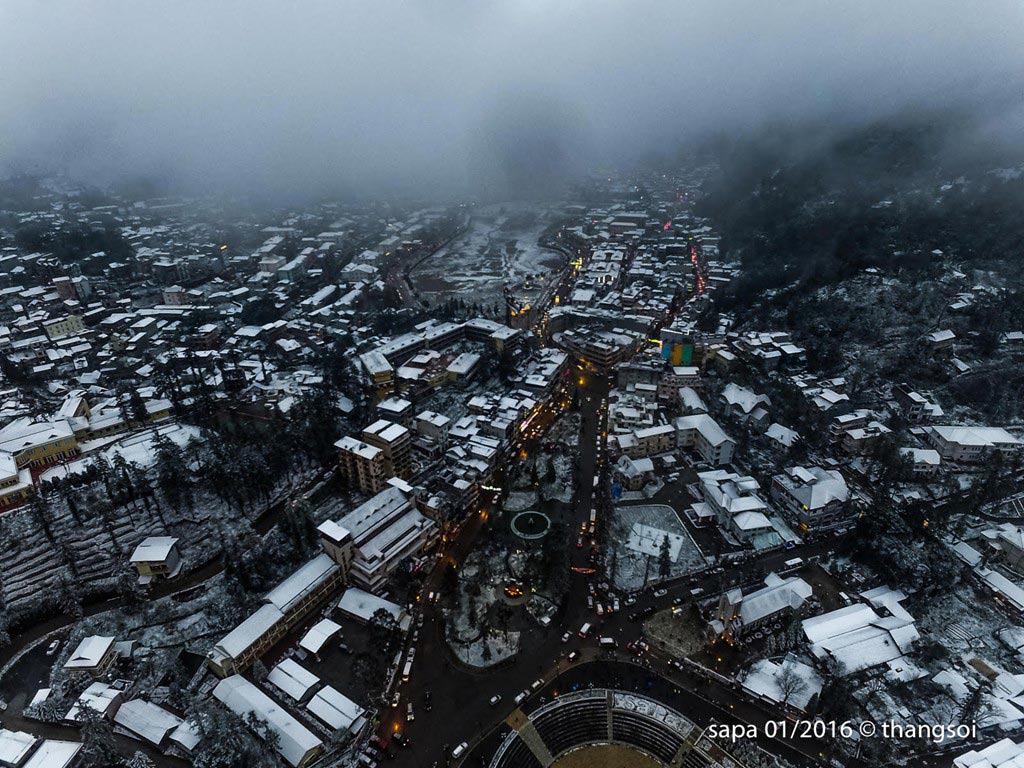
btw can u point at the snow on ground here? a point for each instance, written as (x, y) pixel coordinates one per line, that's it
(562, 488)
(638, 532)
(519, 501)
(499, 247)
(645, 540)
(138, 448)
(499, 647)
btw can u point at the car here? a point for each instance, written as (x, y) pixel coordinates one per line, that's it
(615, 604)
(379, 742)
(677, 600)
(395, 699)
(590, 601)
(409, 714)
(631, 600)
(399, 737)
(661, 592)
(697, 591)
(459, 750)
(579, 543)
(536, 684)
(566, 637)
(600, 609)
(495, 699)
(574, 655)
(52, 647)
(521, 697)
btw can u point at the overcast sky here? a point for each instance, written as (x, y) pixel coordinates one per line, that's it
(451, 94)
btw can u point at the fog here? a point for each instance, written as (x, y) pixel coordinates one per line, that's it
(466, 96)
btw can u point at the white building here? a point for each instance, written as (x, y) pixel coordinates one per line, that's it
(295, 743)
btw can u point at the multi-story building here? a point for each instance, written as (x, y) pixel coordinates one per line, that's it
(374, 538)
(363, 465)
(701, 433)
(814, 497)
(396, 443)
(971, 444)
(38, 443)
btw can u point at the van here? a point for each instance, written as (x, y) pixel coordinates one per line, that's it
(585, 630)
(607, 642)
(457, 752)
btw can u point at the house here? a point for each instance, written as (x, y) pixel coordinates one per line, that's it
(156, 557)
(923, 461)
(55, 753)
(940, 341)
(1007, 542)
(1005, 753)
(335, 710)
(790, 683)
(744, 404)
(858, 638)
(814, 497)
(95, 654)
(15, 747)
(702, 433)
(147, 721)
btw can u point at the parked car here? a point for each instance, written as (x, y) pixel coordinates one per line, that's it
(661, 592)
(521, 697)
(52, 647)
(395, 699)
(566, 637)
(495, 699)
(459, 750)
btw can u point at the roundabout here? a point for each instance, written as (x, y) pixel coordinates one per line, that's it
(530, 525)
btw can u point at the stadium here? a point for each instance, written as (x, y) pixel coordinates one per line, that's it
(605, 728)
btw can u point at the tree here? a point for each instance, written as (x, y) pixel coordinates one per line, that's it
(98, 748)
(139, 760)
(665, 559)
(383, 628)
(789, 681)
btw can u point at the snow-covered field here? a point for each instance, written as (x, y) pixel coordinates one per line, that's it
(499, 247)
(638, 532)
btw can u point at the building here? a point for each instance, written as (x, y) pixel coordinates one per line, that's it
(296, 744)
(63, 327)
(361, 464)
(38, 443)
(284, 606)
(95, 654)
(55, 753)
(156, 557)
(971, 445)
(702, 434)
(814, 497)
(15, 483)
(377, 536)
(379, 372)
(738, 613)
(396, 443)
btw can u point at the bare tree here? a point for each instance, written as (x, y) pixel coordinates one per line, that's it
(790, 682)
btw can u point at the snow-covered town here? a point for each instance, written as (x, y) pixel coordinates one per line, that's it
(704, 454)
